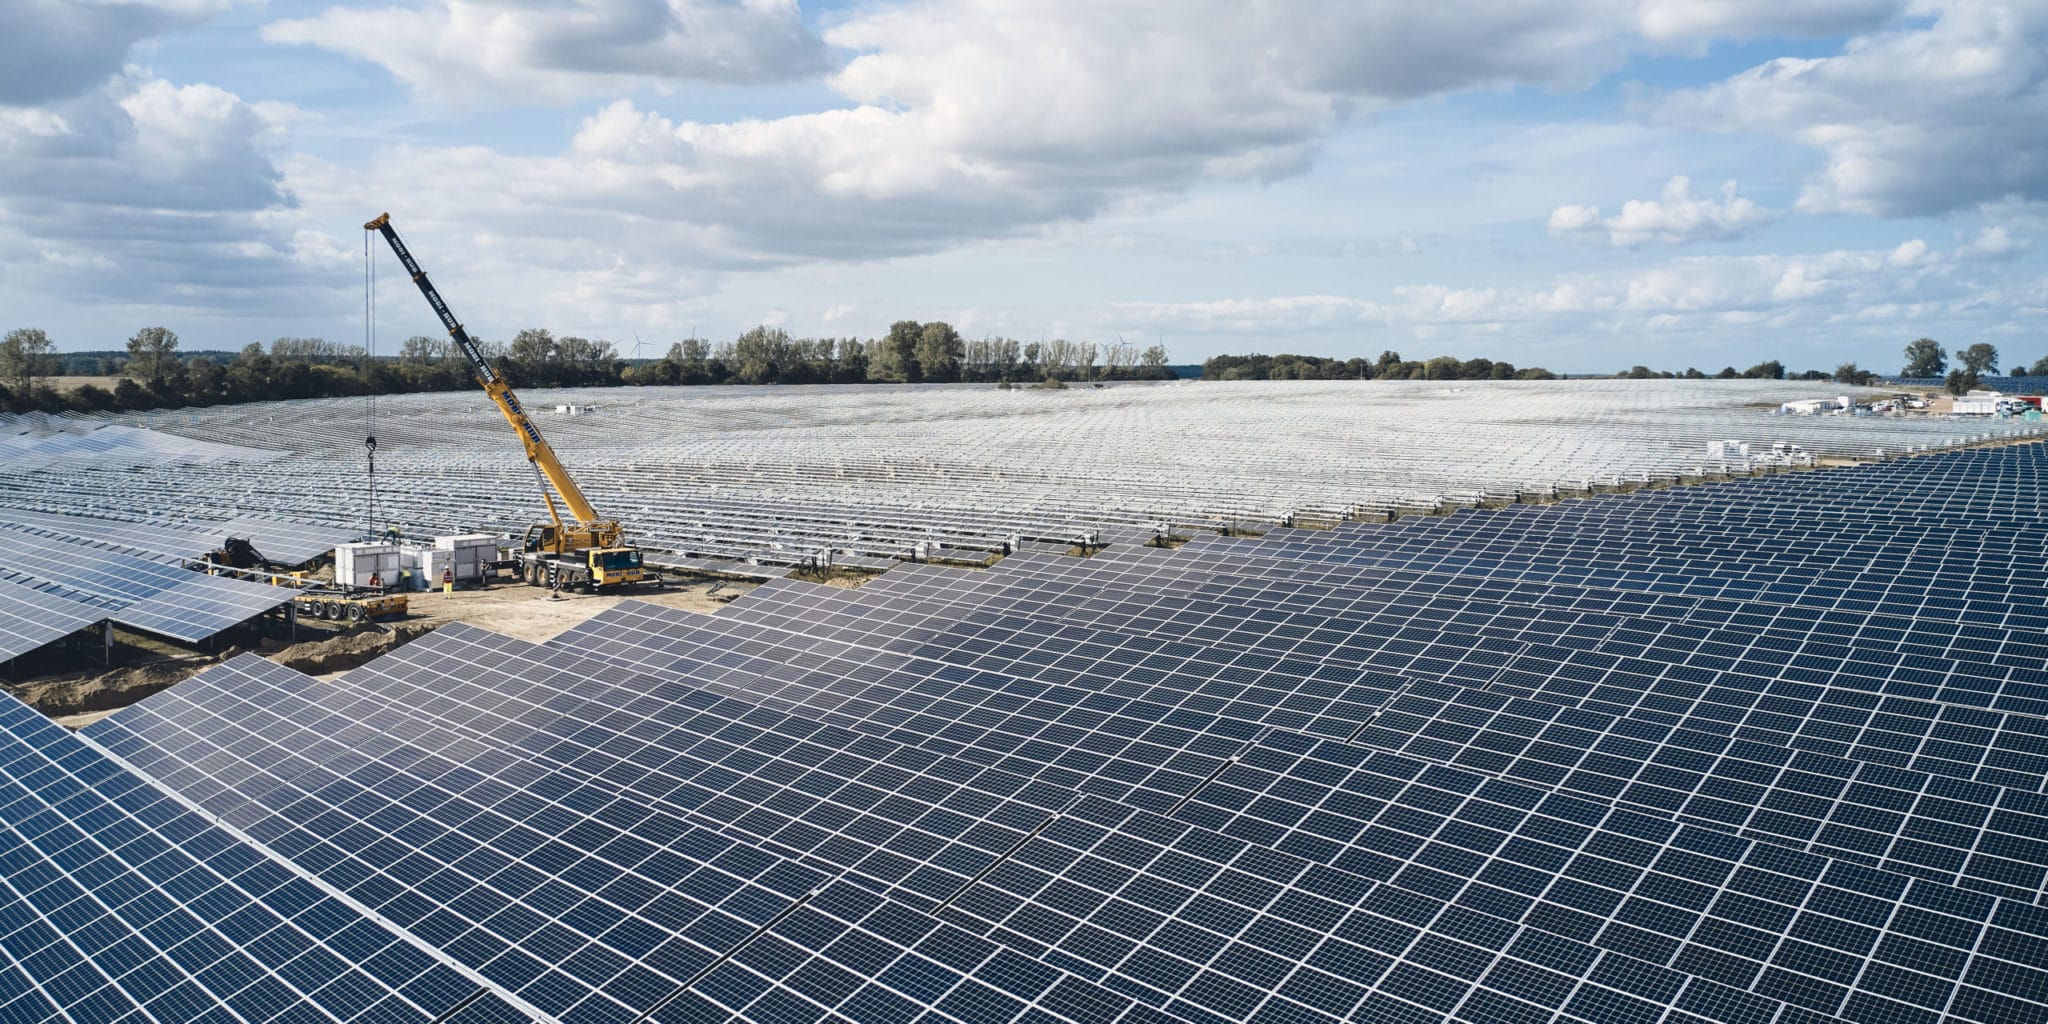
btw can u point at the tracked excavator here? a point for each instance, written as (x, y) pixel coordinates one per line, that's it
(584, 551)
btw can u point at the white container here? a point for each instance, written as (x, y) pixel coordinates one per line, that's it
(432, 563)
(469, 554)
(354, 564)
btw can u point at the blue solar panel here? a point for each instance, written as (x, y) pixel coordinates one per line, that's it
(118, 903)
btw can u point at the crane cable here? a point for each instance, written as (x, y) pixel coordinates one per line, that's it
(370, 392)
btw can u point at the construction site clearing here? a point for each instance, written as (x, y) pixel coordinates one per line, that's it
(78, 696)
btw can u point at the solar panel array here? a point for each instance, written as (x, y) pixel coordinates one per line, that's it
(38, 440)
(120, 904)
(1673, 756)
(131, 589)
(784, 475)
(31, 619)
(280, 540)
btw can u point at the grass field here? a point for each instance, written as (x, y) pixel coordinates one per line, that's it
(74, 383)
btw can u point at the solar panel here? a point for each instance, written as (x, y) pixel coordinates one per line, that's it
(685, 819)
(1412, 875)
(139, 593)
(118, 903)
(1753, 918)
(280, 540)
(1868, 706)
(31, 619)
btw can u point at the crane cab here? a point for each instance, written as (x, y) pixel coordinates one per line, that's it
(540, 537)
(614, 566)
(551, 556)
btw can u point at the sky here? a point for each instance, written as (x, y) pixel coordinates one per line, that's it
(1580, 184)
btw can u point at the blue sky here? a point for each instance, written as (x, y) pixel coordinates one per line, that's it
(1581, 184)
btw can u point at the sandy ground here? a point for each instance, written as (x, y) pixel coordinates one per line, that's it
(79, 698)
(529, 614)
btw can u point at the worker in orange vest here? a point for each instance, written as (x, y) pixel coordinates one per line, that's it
(376, 582)
(448, 580)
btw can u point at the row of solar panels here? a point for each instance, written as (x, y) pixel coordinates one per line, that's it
(1149, 786)
(60, 574)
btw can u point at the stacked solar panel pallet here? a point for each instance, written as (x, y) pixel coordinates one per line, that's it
(1616, 769)
(731, 473)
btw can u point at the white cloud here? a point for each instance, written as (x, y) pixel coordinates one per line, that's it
(964, 120)
(968, 119)
(486, 51)
(1695, 20)
(1890, 289)
(145, 189)
(1995, 243)
(1275, 315)
(53, 49)
(1924, 119)
(1676, 216)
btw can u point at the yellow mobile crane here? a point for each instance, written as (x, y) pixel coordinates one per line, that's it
(587, 550)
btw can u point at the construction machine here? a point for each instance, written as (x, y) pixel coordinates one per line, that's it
(583, 551)
(239, 553)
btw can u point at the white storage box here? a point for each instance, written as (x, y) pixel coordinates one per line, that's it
(354, 564)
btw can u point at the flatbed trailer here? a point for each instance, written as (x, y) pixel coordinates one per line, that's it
(335, 604)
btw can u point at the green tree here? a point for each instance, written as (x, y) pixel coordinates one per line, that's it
(1960, 382)
(130, 395)
(536, 358)
(153, 358)
(421, 349)
(1925, 358)
(92, 398)
(850, 364)
(895, 358)
(758, 356)
(27, 359)
(1980, 358)
(2040, 367)
(1849, 373)
(1154, 362)
(939, 351)
(1768, 370)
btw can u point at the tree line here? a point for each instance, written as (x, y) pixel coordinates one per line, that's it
(910, 353)
(1926, 359)
(153, 373)
(1389, 366)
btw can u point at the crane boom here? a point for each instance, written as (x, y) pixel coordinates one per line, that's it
(593, 530)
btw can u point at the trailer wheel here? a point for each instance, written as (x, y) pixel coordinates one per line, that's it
(356, 613)
(335, 611)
